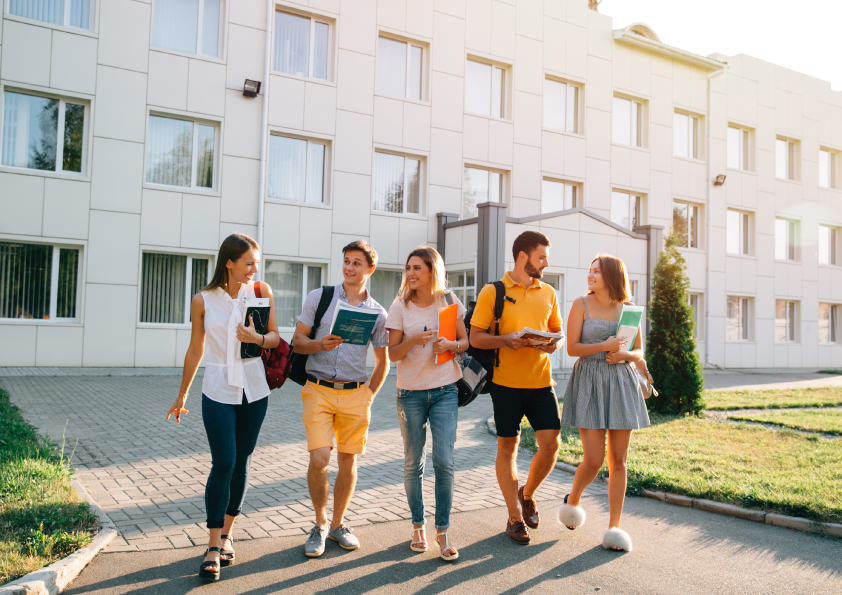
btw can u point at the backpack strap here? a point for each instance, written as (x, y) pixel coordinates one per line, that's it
(448, 297)
(324, 303)
(499, 300)
(257, 290)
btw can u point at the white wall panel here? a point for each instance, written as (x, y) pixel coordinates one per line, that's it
(121, 104)
(160, 219)
(124, 34)
(206, 88)
(113, 250)
(110, 311)
(26, 53)
(199, 221)
(351, 203)
(18, 345)
(240, 189)
(168, 79)
(73, 65)
(66, 208)
(155, 348)
(21, 204)
(117, 175)
(58, 346)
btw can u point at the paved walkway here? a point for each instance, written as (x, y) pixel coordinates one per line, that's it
(149, 475)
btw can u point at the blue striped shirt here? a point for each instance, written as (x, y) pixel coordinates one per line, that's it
(346, 363)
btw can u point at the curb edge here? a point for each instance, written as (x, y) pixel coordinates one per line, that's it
(52, 579)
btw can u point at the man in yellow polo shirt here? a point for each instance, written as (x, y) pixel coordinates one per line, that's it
(522, 383)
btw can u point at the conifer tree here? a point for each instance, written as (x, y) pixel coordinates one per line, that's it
(671, 344)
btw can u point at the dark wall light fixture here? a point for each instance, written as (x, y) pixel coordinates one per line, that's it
(720, 179)
(251, 88)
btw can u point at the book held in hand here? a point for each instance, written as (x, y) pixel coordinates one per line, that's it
(540, 337)
(354, 325)
(629, 322)
(258, 309)
(447, 330)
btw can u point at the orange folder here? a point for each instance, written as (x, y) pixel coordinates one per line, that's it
(447, 330)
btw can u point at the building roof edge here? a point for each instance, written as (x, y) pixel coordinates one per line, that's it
(628, 35)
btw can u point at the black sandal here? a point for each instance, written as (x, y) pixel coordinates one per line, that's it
(230, 560)
(205, 574)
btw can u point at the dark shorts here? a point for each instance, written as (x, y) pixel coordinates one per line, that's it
(539, 405)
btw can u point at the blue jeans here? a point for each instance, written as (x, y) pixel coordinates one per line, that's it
(232, 434)
(440, 408)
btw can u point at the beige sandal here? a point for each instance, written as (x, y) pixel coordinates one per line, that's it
(447, 547)
(418, 537)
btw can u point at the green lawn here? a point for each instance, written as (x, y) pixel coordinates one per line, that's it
(826, 421)
(830, 396)
(41, 516)
(776, 471)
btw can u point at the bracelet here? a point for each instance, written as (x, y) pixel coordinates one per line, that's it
(264, 340)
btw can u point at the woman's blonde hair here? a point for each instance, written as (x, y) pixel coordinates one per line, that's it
(614, 275)
(435, 263)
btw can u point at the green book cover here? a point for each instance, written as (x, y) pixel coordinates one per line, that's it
(354, 325)
(629, 322)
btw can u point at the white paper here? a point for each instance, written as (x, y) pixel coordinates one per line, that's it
(629, 333)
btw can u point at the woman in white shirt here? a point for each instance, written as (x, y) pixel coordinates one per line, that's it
(427, 393)
(234, 390)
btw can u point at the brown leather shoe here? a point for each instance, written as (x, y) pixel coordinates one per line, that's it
(530, 510)
(517, 532)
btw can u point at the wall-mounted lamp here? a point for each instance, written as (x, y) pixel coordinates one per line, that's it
(251, 88)
(720, 179)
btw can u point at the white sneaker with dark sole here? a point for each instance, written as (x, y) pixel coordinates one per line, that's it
(342, 535)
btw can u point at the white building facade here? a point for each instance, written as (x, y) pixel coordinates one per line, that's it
(129, 151)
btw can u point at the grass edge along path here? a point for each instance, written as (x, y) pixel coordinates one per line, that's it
(825, 396)
(42, 516)
(820, 421)
(775, 471)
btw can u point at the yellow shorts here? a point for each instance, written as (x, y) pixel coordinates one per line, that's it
(328, 411)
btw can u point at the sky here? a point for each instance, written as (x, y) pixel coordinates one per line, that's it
(797, 34)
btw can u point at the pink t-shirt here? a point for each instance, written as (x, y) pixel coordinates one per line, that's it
(418, 369)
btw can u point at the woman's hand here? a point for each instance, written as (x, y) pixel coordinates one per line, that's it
(441, 345)
(615, 357)
(177, 408)
(248, 334)
(422, 338)
(614, 344)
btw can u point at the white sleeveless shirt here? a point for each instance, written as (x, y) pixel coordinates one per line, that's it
(226, 375)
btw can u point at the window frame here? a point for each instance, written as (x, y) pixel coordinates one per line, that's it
(833, 250)
(695, 228)
(834, 319)
(832, 169)
(791, 156)
(315, 17)
(698, 313)
(638, 122)
(745, 231)
(745, 325)
(791, 321)
(462, 289)
(425, 61)
(505, 101)
(54, 264)
(636, 221)
(87, 131)
(503, 186)
(577, 107)
(220, 49)
(422, 182)
(577, 193)
(326, 174)
(215, 188)
(93, 18)
(188, 296)
(304, 279)
(384, 269)
(792, 240)
(694, 137)
(744, 148)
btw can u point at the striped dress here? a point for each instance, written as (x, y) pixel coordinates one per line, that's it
(599, 395)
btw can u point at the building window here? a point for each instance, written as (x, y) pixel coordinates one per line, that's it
(694, 300)
(738, 232)
(625, 209)
(785, 321)
(397, 183)
(628, 125)
(384, 286)
(189, 26)
(561, 106)
(685, 222)
(38, 281)
(69, 13)
(633, 287)
(784, 159)
(168, 283)
(685, 135)
(738, 148)
(827, 169)
(829, 319)
(44, 133)
(478, 186)
(828, 245)
(399, 68)
(462, 284)
(301, 45)
(290, 283)
(180, 152)
(737, 319)
(557, 196)
(297, 169)
(485, 89)
(786, 239)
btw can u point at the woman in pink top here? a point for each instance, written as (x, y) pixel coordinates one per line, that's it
(427, 392)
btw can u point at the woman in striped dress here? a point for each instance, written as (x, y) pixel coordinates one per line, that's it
(602, 395)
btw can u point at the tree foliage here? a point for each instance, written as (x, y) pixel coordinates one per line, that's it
(671, 344)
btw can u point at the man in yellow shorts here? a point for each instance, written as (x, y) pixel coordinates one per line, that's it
(337, 400)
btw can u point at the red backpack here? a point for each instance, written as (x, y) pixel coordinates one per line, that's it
(277, 361)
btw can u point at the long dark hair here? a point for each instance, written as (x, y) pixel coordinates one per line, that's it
(232, 248)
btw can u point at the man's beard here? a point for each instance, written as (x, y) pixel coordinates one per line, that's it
(532, 271)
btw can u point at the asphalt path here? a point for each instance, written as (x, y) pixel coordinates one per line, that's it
(677, 550)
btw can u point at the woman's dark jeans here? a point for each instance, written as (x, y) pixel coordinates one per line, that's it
(232, 434)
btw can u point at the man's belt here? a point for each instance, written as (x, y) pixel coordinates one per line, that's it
(335, 385)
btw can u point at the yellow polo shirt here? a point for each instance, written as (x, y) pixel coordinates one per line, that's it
(535, 306)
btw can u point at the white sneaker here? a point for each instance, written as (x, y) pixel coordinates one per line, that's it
(315, 545)
(342, 535)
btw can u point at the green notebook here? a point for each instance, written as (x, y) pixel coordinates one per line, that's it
(629, 322)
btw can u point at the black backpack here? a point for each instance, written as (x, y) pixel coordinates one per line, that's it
(298, 372)
(487, 358)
